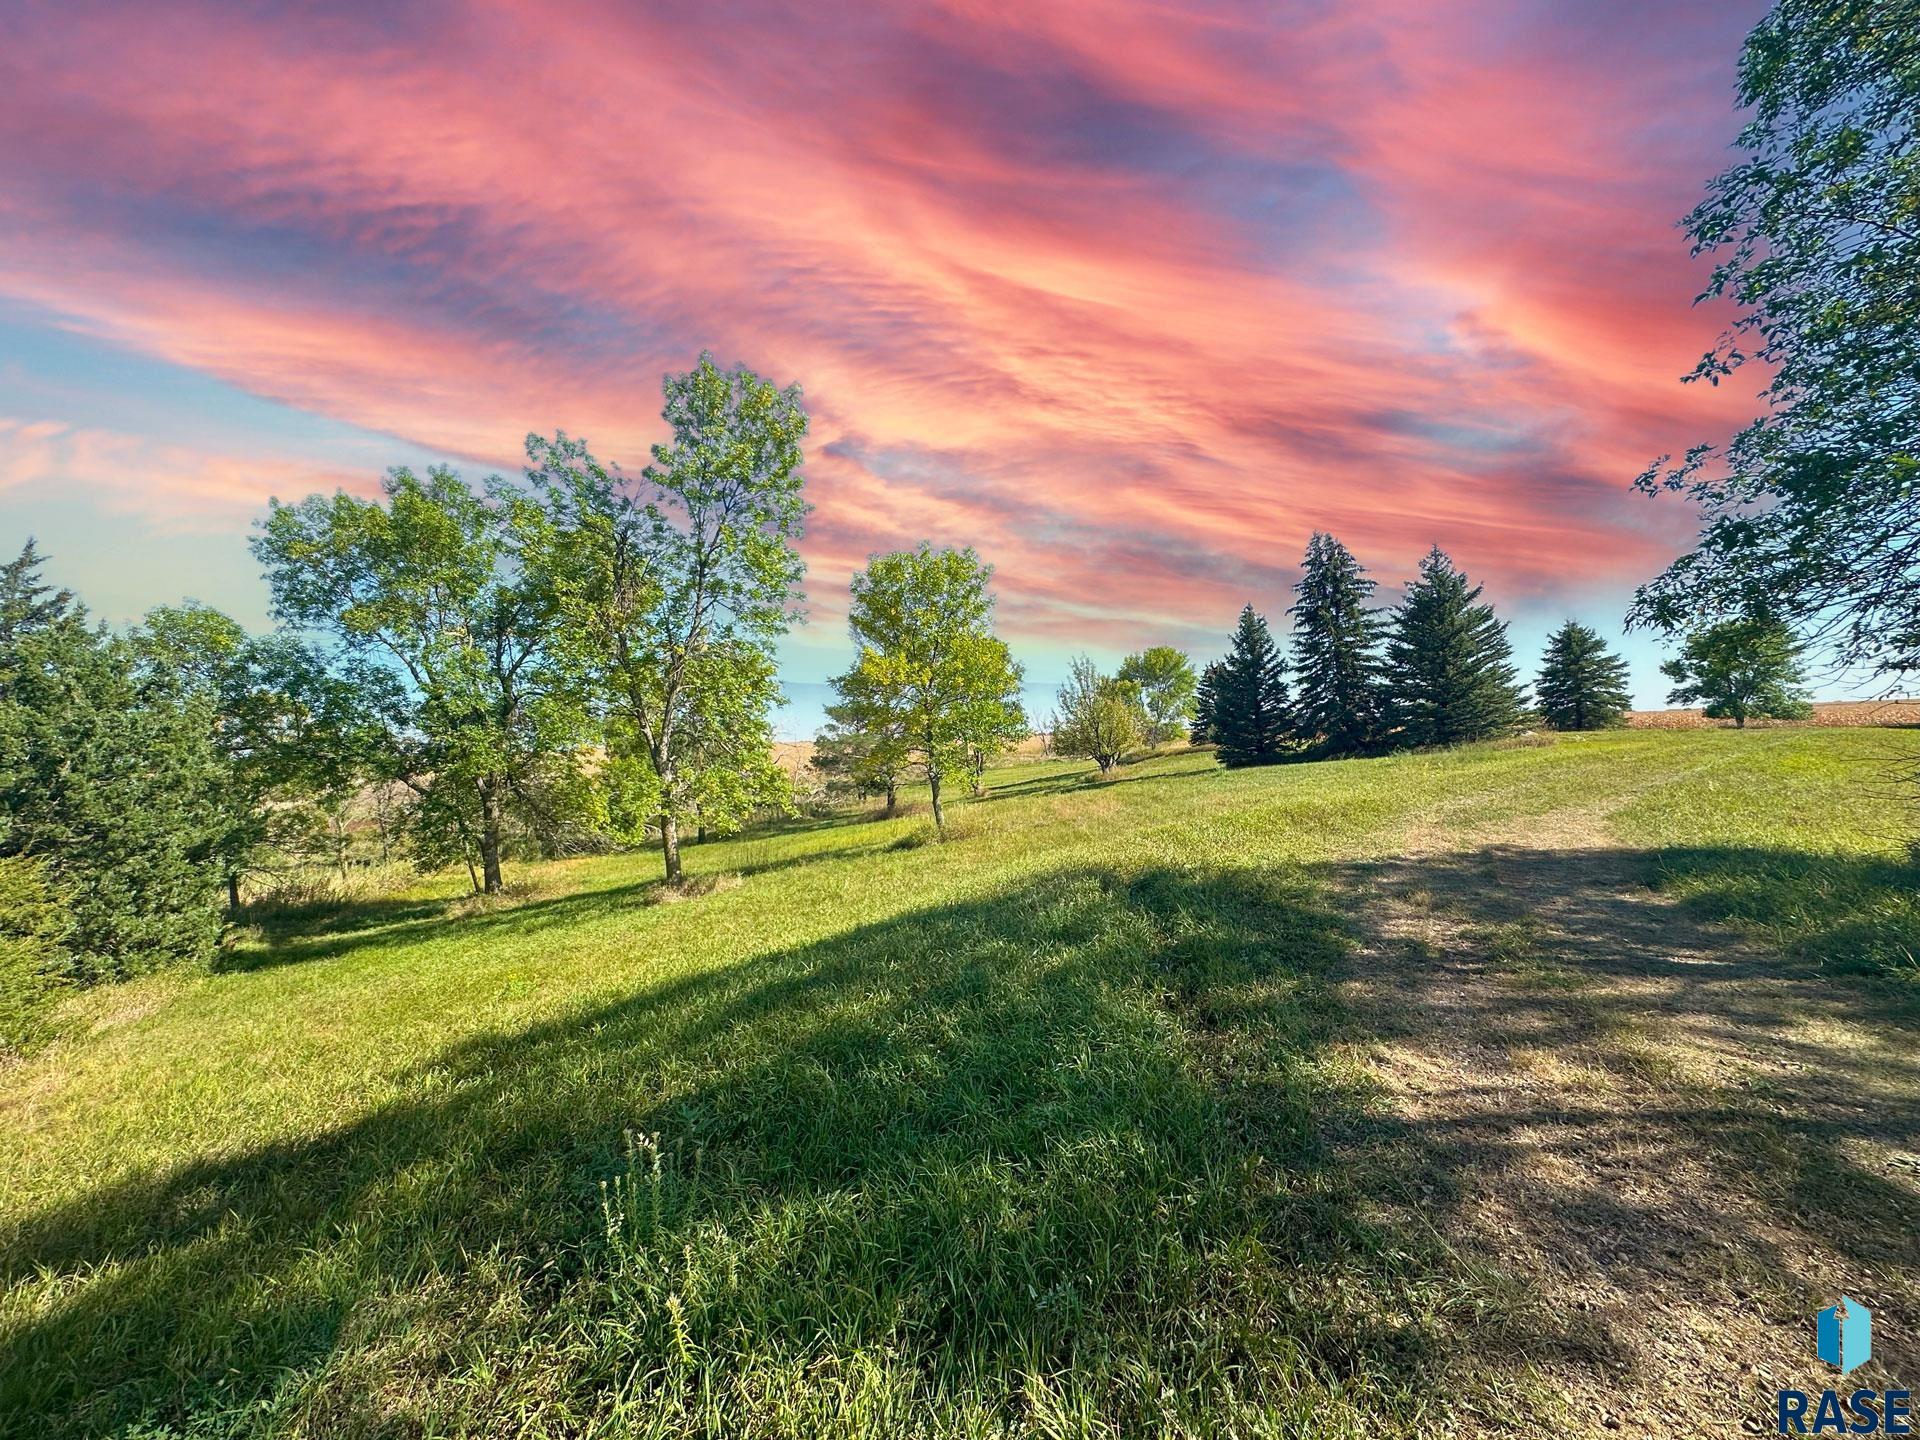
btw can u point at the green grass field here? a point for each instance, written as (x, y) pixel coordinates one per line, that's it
(1072, 1125)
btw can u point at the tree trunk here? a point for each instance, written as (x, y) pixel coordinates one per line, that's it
(893, 798)
(490, 837)
(933, 784)
(670, 847)
(233, 892)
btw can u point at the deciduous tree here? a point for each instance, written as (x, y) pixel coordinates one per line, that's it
(1165, 680)
(428, 583)
(1740, 670)
(923, 620)
(674, 592)
(1100, 716)
(1811, 514)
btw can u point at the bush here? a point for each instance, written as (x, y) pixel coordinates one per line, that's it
(32, 924)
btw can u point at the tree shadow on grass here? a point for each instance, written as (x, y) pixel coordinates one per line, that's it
(1091, 1153)
(995, 1164)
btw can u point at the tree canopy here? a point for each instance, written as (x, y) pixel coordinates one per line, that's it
(1811, 513)
(1164, 679)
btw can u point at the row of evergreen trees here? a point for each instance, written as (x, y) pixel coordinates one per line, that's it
(1437, 670)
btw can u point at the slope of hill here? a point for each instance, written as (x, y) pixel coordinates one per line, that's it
(1548, 1084)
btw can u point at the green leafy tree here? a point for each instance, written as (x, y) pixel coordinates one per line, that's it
(291, 733)
(997, 726)
(1336, 650)
(1252, 718)
(1100, 716)
(1166, 682)
(427, 584)
(675, 592)
(1448, 667)
(865, 739)
(106, 779)
(928, 657)
(1811, 514)
(1582, 685)
(1205, 694)
(1741, 670)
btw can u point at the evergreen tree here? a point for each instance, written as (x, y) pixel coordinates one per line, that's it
(1582, 685)
(1449, 673)
(107, 780)
(1336, 642)
(1251, 719)
(1200, 732)
(26, 602)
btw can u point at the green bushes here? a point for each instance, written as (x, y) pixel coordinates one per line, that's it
(32, 963)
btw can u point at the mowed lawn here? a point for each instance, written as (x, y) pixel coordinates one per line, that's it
(1100, 1118)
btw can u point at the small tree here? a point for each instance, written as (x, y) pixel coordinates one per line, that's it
(996, 726)
(673, 598)
(1165, 679)
(1449, 672)
(1205, 693)
(1252, 720)
(865, 738)
(1336, 650)
(1099, 716)
(1582, 685)
(1742, 670)
(929, 660)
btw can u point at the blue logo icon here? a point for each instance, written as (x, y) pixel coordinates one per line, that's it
(1846, 1334)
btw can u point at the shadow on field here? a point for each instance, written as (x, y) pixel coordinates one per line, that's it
(1671, 1120)
(1093, 1148)
(1063, 1143)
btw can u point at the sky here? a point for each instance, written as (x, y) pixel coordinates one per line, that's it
(1131, 296)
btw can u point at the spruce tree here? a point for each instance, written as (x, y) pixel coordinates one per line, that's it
(1251, 717)
(1582, 685)
(1200, 732)
(1336, 649)
(27, 602)
(1449, 673)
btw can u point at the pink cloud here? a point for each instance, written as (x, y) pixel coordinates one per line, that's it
(1131, 296)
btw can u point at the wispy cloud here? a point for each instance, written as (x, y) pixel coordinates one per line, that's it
(1132, 296)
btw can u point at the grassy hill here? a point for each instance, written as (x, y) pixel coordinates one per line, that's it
(1539, 1084)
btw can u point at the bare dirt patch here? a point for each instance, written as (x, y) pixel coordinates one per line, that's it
(1681, 1144)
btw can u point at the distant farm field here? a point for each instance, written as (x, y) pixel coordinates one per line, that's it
(1826, 713)
(1539, 1087)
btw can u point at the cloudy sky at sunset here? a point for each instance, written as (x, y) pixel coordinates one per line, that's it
(1131, 297)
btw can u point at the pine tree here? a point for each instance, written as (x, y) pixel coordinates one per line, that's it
(1582, 685)
(26, 603)
(110, 779)
(1200, 732)
(1336, 641)
(1449, 673)
(1251, 716)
